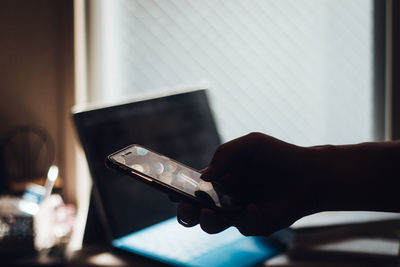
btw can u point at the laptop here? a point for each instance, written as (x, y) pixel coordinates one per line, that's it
(140, 219)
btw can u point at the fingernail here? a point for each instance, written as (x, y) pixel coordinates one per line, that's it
(204, 170)
(185, 223)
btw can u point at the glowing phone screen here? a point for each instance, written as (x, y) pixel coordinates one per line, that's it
(165, 170)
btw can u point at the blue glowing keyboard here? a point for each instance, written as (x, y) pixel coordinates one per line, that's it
(172, 243)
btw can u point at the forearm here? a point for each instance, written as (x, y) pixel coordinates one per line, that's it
(364, 176)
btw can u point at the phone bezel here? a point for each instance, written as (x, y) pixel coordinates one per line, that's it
(166, 188)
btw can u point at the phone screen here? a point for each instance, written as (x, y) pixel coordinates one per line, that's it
(165, 170)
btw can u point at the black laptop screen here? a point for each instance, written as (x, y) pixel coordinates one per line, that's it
(180, 126)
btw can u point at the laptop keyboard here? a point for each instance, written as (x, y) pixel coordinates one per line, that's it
(171, 240)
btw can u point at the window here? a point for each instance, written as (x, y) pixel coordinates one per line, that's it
(303, 71)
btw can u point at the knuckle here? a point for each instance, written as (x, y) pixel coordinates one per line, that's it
(255, 135)
(244, 231)
(206, 229)
(255, 138)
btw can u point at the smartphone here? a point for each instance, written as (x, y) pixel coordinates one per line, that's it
(165, 174)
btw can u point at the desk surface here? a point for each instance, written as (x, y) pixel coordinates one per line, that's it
(99, 255)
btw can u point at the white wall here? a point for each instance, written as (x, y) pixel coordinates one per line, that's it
(36, 66)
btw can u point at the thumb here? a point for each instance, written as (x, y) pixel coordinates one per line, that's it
(226, 157)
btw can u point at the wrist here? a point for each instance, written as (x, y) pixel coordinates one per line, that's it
(320, 175)
(356, 177)
(337, 178)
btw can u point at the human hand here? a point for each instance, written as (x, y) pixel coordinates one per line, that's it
(272, 179)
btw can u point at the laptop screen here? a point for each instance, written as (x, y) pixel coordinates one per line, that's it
(179, 126)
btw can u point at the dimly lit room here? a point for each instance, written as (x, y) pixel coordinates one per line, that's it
(199, 133)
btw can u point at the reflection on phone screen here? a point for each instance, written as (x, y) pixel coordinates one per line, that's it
(165, 170)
